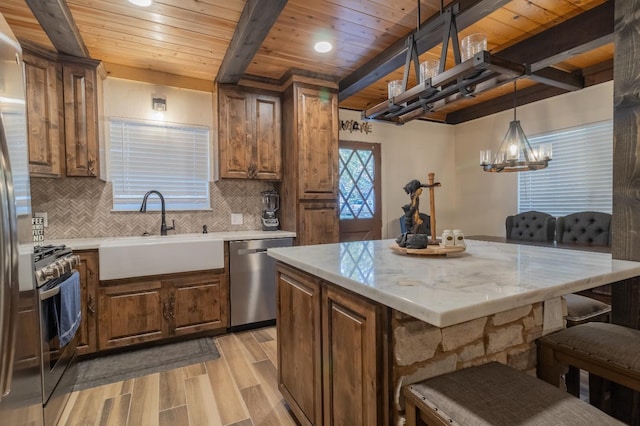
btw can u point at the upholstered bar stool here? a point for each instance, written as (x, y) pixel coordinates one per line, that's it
(609, 351)
(497, 395)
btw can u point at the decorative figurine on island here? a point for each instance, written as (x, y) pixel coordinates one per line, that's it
(416, 233)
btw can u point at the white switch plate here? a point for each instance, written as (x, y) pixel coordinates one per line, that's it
(236, 219)
(44, 217)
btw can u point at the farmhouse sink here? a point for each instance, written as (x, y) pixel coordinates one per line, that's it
(140, 256)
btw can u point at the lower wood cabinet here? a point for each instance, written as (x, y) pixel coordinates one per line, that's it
(332, 352)
(138, 310)
(88, 269)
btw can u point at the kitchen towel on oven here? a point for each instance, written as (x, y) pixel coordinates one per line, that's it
(69, 314)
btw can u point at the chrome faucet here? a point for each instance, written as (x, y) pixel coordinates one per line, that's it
(143, 209)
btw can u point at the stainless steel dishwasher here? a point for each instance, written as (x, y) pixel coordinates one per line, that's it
(252, 281)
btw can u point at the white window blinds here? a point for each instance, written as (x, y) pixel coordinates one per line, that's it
(579, 178)
(15, 127)
(171, 159)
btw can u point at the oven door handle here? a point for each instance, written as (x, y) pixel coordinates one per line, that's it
(48, 294)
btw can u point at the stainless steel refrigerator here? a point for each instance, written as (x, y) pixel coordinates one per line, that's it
(20, 353)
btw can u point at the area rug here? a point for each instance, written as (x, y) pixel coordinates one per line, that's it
(140, 362)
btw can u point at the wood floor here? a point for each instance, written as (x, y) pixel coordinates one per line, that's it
(239, 388)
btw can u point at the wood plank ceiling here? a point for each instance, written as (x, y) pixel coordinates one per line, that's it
(190, 38)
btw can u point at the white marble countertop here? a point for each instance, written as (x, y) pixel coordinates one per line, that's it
(94, 242)
(445, 290)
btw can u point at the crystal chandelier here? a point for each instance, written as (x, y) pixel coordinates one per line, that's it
(515, 153)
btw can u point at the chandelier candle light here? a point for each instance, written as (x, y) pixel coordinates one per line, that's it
(515, 153)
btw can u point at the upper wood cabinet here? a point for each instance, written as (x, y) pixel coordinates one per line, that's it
(317, 134)
(249, 133)
(45, 155)
(62, 114)
(81, 118)
(309, 188)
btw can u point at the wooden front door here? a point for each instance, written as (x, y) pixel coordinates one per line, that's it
(359, 200)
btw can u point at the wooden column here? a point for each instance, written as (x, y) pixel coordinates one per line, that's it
(625, 223)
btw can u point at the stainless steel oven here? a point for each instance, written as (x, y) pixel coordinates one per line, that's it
(55, 271)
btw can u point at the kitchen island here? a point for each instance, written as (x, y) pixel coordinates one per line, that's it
(357, 321)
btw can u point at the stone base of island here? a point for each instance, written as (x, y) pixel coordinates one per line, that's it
(356, 322)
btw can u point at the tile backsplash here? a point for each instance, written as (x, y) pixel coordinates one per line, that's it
(81, 207)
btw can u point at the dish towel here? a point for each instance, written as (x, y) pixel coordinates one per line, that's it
(69, 314)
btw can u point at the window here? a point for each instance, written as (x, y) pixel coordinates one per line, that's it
(168, 158)
(579, 178)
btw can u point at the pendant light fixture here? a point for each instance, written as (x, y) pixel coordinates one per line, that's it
(515, 153)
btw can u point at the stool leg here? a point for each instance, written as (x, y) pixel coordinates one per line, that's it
(597, 392)
(547, 369)
(410, 412)
(572, 379)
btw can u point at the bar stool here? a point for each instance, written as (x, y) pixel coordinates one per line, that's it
(609, 351)
(497, 395)
(580, 310)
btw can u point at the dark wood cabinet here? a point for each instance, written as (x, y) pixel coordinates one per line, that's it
(81, 136)
(131, 313)
(317, 137)
(197, 303)
(331, 352)
(137, 310)
(43, 90)
(352, 384)
(88, 269)
(249, 133)
(299, 344)
(309, 188)
(318, 223)
(62, 113)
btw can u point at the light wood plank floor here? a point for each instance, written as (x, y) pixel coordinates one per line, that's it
(239, 388)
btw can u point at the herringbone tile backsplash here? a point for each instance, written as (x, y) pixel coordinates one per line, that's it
(81, 207)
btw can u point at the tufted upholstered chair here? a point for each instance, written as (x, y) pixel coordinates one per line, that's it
(589, 228)
(530, 226)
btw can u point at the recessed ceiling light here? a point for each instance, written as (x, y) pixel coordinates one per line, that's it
(143, 3)
(323, 47)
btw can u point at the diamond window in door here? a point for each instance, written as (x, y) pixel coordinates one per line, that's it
(357, 195)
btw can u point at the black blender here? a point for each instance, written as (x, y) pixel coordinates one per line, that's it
(270, 205)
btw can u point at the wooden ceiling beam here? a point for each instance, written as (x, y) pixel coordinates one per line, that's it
(55, 19)
(592, 75)
(429, 36)
(258, 16)
(585, 32)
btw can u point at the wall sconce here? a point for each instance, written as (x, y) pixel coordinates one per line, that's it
(159, 104)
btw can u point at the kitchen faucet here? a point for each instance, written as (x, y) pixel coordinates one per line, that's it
(143, 209)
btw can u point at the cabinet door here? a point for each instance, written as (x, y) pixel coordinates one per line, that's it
(235, 133)
(318, 223)
(352, 360)
(266, 157)
(87, 332)
(80, 119)
(317, 144)
(299, 344)
(131, 313)
(197, 303)
(42, 117)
